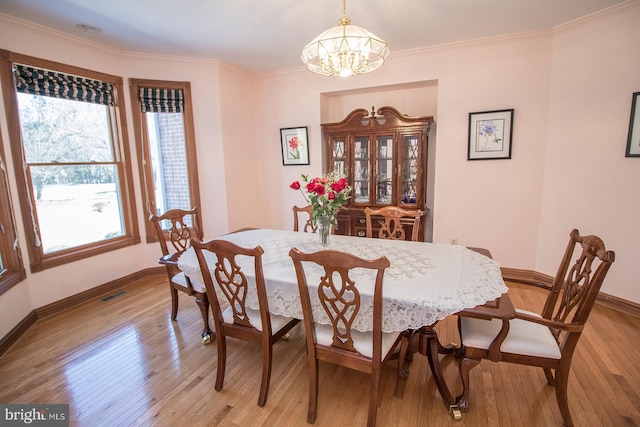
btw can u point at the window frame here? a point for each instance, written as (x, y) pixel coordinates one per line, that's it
(140, 126)
(14, 271)
(38, 260)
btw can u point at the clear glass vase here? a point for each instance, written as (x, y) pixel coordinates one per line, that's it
(324, 229)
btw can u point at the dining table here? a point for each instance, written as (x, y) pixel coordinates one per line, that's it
(425, 283)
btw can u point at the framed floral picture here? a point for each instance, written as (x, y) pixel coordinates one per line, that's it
(633, 140)
(295, 146)
(490, 135)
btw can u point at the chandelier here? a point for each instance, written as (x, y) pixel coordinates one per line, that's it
(345, 50)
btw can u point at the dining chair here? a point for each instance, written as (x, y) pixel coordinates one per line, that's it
(340, 298)
(307, 213)
(179, 235)
(238, 320)
(547, 340)
(391, 223)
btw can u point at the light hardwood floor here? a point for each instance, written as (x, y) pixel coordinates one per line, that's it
(124, 362)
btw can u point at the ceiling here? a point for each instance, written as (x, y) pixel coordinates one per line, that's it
(265, 36)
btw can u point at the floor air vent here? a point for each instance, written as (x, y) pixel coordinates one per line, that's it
(116, 295)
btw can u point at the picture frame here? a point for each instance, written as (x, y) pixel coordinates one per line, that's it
(633, 140)
(295, 146)
(490, 135)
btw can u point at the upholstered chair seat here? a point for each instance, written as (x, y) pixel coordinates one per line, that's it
(181, 279)
(362, 341)
(526, 338)
(277, 322)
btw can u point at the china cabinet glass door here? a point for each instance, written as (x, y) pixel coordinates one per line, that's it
(361, 169)
(409, 161)
(339, 155)
(384, 170)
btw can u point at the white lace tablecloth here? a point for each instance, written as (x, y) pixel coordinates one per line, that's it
(425, 283)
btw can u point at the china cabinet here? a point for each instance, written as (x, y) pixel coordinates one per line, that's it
(383, 154)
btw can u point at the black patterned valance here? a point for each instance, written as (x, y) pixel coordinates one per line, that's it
(37, 81)
(154, 100)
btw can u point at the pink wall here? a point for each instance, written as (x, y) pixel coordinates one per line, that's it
(570, 88)
(489, 203)
(241, 150)
(588, 183)
(53, 284)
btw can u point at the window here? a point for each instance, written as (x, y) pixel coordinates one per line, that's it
(11, 267)
(70, 158)
(163, 122)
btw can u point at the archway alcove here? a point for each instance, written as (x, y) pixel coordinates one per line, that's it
(413, 99)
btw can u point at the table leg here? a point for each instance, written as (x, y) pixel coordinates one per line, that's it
(203, 304)
(425, 341)
(431, 347)
(407, 357)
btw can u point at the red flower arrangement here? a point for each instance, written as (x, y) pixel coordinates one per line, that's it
(326, 194)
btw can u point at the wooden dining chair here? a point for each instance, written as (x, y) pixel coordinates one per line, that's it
(179, 235)
(391, 223)
(238, 320)
(307, 214)
(547, 340)
(339, 343)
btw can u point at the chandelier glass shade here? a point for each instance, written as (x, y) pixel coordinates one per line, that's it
(345, 50)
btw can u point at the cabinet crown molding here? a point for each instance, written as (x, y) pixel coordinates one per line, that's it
(385, 118)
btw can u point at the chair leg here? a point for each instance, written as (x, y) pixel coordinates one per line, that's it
(466, 364)
(562, 379)
(174, 302)
(404, 347)
(550, 379)
(373, 397)
(267, 354)
(222, 360)
(313, 390)
(203, 305)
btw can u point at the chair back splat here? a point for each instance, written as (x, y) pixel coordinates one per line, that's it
(333, 339)
(547, 340)
(576, 287)
(230, 283)
(307, 215)
(173, 241)
(392, 222)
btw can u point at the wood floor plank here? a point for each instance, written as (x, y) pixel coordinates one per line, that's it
(124, 362)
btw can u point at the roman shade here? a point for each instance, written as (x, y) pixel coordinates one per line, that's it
(37, 81)
(155, 100)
